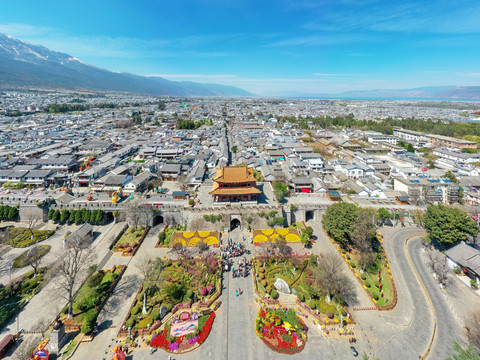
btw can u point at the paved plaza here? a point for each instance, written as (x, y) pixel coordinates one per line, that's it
(405, 332)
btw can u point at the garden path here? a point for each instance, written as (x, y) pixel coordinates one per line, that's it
(323, 245)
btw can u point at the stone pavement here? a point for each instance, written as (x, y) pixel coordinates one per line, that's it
(37, 310)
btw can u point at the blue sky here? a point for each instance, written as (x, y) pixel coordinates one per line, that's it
(282, 47)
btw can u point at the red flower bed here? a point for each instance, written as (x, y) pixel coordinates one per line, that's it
(206, 329)
(161, 340)
(277, 338)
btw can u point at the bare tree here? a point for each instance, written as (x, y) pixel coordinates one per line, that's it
(437, 263)
(69, 267)
(33, 218)
(472, 328)
(34, 258)
(169, 219)
(330, 276)
(135, 212)
(146, 215)
(201, 247)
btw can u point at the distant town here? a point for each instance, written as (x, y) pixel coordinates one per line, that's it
(347, 230)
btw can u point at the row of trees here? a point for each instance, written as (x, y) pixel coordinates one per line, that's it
(191, 124)
(8, 212)
(77, 216)
(440, 127)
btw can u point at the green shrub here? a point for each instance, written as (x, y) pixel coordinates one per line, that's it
(311, 304)
(457, 270)
(189, 294)
(377, 283)
(367, 284)
(168, 263)
(344, 312)
(264, 283)
(348, 257)
(274, 294)
(363, 276)
(474, 284)
(301, 297)
(89, 320)
(268, 289)
(262, 276)
(95, 279)
(130, 323)
(352, 264)
(155, 315)
(379, 256)
(375, 297)
(161, 237)
(136, 309)
(262, 269)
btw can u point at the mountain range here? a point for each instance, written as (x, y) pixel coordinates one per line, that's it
(27, 66)
(428, 92)
(24, 65)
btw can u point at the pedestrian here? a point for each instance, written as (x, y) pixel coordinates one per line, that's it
(240, 291)
(236, 292)
(151, 349)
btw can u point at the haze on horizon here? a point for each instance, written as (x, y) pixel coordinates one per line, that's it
(284, 47)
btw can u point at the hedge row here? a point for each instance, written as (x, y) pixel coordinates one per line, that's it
(8, 212)
(77, 216)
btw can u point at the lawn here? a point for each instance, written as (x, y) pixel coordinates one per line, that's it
(91, 295)
(370, 278)
(130, 236)
(20, 262)
(14, 295)
(23, 237)
(172, 283)
(297, 273)
(169, 231)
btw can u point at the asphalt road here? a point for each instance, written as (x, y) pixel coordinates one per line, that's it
(448, 330)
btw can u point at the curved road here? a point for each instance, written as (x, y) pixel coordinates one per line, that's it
(406, 332)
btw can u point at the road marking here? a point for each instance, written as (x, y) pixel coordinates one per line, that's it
(426, 294)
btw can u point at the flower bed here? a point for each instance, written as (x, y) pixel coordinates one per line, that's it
(190, 338)
(297, 272)
(289, 234)
(23, 237)
(190, 238)
(281, 330)
(14, 295)
(377, 280)
(176, 285)
(130, 241)
(91, 298)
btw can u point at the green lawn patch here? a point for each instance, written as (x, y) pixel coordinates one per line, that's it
(90, 296)
(20, 261)
(370, 281)
(23, 237)
(170, 230)
(130, 236)
(14, 295)
(298, 278)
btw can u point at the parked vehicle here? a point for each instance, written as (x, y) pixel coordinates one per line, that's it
(354, 351)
